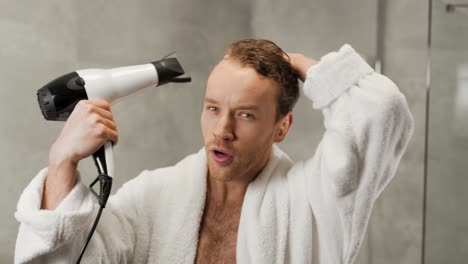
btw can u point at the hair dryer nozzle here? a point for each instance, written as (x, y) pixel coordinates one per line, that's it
(168, 69)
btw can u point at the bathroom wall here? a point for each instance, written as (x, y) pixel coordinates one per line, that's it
(317, 27)
(160, 126)
(42, 40)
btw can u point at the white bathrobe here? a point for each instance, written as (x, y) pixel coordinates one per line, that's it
(311, 211)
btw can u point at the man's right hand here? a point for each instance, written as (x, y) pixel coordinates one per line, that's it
(89, 126)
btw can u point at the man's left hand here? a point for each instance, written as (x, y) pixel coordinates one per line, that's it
(301, 63)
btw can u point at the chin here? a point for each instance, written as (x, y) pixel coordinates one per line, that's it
(219, 173)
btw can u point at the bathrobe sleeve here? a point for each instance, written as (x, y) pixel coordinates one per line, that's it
(367, 128)
(57, 236)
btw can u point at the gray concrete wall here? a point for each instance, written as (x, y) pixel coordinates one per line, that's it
(42, 40)
(160, 126)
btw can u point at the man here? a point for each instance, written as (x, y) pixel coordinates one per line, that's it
(240, 198)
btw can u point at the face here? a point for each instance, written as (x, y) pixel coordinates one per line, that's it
(239, 121)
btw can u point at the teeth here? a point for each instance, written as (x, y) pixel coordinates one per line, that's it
(220, 153)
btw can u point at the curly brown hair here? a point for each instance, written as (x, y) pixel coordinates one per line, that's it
(270, 61)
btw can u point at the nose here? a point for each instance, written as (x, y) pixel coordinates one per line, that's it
(224, 128)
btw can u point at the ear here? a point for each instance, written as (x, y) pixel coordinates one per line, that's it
(282, 127)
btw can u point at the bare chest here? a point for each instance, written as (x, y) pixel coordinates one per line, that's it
(218, 236)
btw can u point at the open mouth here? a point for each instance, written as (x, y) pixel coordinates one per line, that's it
(220, 153)
(221, 157)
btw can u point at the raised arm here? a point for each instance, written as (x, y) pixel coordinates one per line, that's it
(367, 128)
(56, 211)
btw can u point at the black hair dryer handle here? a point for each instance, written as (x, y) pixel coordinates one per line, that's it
(103, 158)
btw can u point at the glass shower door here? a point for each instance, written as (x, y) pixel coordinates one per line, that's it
(446, 230)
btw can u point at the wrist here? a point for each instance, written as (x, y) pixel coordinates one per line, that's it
(59, 158)
(305, 64)
(61, 178)
(301, 64)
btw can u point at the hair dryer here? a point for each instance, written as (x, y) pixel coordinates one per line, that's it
(58, 98)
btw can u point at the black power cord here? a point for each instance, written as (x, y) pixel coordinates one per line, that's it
(90, 235)
(105, 182)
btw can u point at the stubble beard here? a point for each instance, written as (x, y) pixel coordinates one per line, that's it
(237, 169)
(222, 173)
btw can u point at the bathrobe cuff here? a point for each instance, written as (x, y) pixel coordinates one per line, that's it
(333, 75)
(71, 217)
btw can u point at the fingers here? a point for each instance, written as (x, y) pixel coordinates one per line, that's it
(99, 103)
(106, 122)
(99, 112)
(105, 133)
(106, 128)
(97, 106)
(111, 135)
(301, 64)
(102, 112)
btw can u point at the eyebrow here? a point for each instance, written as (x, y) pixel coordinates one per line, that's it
(209, 100)
(247, 106)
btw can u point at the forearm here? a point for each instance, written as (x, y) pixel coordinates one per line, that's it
(60, 180)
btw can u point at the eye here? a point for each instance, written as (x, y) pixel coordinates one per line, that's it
(247, 115)
(212, 108)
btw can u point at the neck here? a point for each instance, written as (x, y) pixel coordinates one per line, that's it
(226, 192)
(230, 192)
